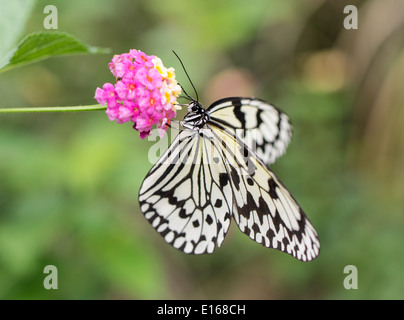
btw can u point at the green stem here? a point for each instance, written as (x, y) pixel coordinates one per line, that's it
(54, 109)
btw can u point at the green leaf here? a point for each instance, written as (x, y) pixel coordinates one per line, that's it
(13, 18)
(42, 45)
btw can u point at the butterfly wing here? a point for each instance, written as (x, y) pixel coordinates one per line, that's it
(265, 129)
(185, 198)
(263, 208)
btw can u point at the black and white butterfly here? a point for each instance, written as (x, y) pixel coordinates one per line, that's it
(216, 169)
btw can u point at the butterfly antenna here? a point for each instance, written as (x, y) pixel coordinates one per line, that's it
(196, 93)
(187, 96)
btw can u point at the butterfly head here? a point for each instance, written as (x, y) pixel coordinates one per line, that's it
(195, 107)
(196, 116)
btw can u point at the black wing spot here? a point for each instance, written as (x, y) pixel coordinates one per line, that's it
(256, 228)
(209, 220)
(270, 234)
(272, 188)
(259, 117)
(223, 179)
(183, 214)
(218, 203)
(195, 223)
(244, 151)
(235, 178)
(277, 221)
(219, 226)
(172, 200)
(238, 113)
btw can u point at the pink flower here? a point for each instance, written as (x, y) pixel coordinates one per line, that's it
(126, 89)
(144, 123)
(106, 95)
(112, 113)
(125, 113)
(149, 102)
(150, 78)
(119, 64)
(141, 58)
(145, 93)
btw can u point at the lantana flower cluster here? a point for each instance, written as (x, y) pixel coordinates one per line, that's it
(145, 92)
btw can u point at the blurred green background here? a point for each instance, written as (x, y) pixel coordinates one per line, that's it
(69, 182)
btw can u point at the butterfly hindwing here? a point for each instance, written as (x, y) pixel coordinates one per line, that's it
(265, 129)
(263, 208)
(185, 198)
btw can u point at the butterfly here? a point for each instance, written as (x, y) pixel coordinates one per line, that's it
(216, 170)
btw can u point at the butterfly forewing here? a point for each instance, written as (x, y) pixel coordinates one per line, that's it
(263, 208)
(265, 129)
(185, 198)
